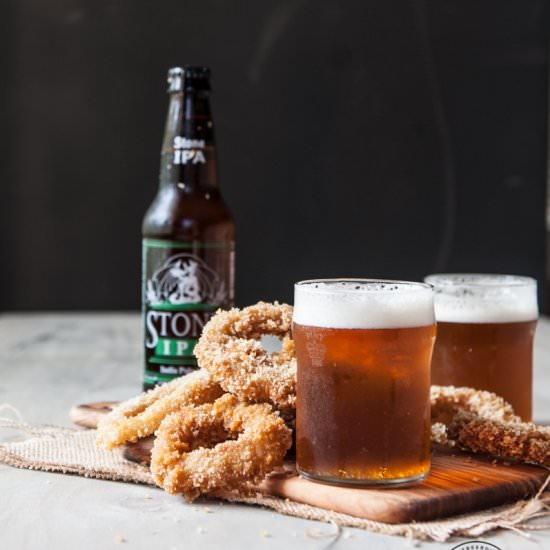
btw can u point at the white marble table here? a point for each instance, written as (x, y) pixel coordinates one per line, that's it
(48, 362)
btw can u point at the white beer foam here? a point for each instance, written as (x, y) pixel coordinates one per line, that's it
(484, 298)
(363, 304)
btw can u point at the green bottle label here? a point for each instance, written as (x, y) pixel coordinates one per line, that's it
(183, 285)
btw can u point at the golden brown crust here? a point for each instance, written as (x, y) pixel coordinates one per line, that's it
(221, 446)
(141, 416)
(446, 401)
(483, 422)
(231, 351)
(439, 435)
(517, 440)
(208, 441)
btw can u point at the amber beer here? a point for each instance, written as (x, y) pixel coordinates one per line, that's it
(485, 330)
(363, 349)
(188, 234)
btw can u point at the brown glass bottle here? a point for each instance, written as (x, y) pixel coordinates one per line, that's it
(188, 234)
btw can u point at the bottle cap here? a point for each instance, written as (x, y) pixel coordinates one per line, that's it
(188, 78)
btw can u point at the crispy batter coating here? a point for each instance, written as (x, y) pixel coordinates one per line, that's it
(220, 446)
(439, 435)
(446, 401)
(208, 441)
(518, 440)
(231, 351)
(483, 422)
(141, 416)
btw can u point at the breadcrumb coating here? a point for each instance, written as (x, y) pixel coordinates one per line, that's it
(446, 401)
(140, 416)
(209, 441)
(521, 441)
(222, 446)
(439, 435)
(231, 351)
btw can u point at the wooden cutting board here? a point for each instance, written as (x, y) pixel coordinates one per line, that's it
(458, 483)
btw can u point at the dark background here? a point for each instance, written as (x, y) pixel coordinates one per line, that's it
(373, 139)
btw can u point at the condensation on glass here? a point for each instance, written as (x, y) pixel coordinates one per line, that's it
(363, 392)
(485, 329)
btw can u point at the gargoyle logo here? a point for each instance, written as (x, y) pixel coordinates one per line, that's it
(184, 279)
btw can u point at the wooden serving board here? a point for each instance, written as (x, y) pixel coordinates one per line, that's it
(458, 483)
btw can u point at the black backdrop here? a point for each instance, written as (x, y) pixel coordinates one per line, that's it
(378, 139)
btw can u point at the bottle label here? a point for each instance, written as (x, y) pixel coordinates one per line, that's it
(189, 151)
(183, 285)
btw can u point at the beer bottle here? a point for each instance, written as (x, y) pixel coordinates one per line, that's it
(188, 234)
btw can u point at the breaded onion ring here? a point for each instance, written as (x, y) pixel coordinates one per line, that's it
(142, 415)
(517, 440)
(483, 422)
(446, 401)
(231, 351)
(221, 446)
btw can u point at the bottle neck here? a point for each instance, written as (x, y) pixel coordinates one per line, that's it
(188, 156)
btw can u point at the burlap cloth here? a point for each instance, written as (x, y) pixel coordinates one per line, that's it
(73, 451)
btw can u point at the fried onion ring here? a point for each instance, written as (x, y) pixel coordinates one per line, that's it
(447, 401)
(231, 351)
(142, 415)
(220, 446)
(517, 440)
(482, 422)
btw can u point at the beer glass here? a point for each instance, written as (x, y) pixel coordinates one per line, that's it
(485, 330)
(363, 393)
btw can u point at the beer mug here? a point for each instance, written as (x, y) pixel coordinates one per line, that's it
(363, 391)
(485, 330)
